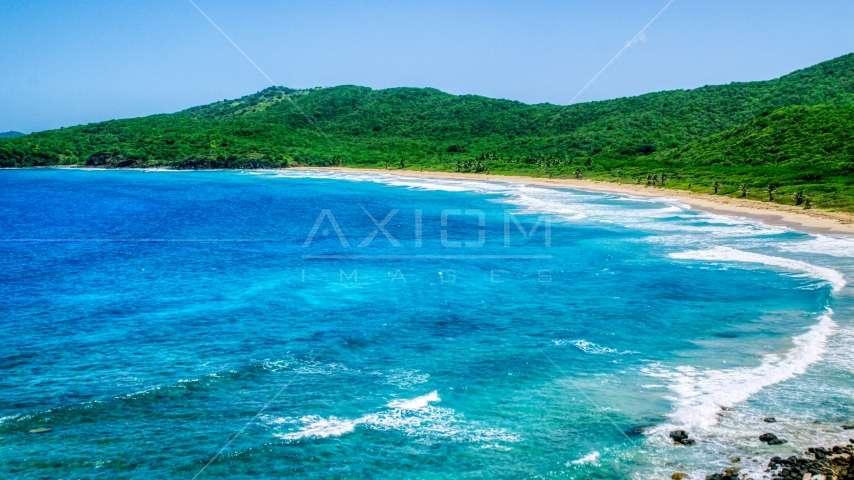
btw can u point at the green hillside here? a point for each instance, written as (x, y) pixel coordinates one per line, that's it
(803, 152)
(723, 133)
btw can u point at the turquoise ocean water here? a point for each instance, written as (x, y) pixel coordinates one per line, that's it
(304, 324)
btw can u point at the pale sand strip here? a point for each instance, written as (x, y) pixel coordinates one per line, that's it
(796, 218)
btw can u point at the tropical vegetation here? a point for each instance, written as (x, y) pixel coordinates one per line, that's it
(787, 140)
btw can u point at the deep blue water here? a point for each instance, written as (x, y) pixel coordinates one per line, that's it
(153, 319)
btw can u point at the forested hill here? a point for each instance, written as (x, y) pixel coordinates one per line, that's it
(820, 137)
(425, 128)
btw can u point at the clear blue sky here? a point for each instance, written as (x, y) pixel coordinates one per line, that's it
(70, 62)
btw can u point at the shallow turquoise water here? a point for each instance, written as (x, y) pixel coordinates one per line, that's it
(154, 319)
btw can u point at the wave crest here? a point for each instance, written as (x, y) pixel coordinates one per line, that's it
(727, 254)
(414, 417)
(702, 393)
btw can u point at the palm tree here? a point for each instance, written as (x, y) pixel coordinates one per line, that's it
(402, 163)
(807, 204)
(663, 178)
(743, 191)
(577, 173)
(716, 186)
(799, 197)
(771, 188)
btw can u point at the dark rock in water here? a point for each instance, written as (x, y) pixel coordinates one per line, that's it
(772, 439)
(678, 435)
(848, 427)
(688, 441)
(769, 420)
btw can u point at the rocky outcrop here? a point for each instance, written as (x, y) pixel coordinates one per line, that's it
(111, 160)
(680, 437)
(119, 160)
(836, 463)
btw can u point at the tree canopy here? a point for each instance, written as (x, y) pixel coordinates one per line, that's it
(794, 132)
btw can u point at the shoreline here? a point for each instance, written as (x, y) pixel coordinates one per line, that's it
(806, 221)
(836, 459)
(658, 194)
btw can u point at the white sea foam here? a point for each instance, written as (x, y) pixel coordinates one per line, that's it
(414, 417)
(590, 347)
(416, 403)
(839, 351)
(727, 254)
(305, 367)
(448, 185)
(702, 393)
(405, 379)
(318, 427)
(532, 206)
(8, 418)
(575, 205)
(592, 457)
(821, 244)
(420, 183)
(141, 392)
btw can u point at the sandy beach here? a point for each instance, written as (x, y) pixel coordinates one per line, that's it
(796, 218)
